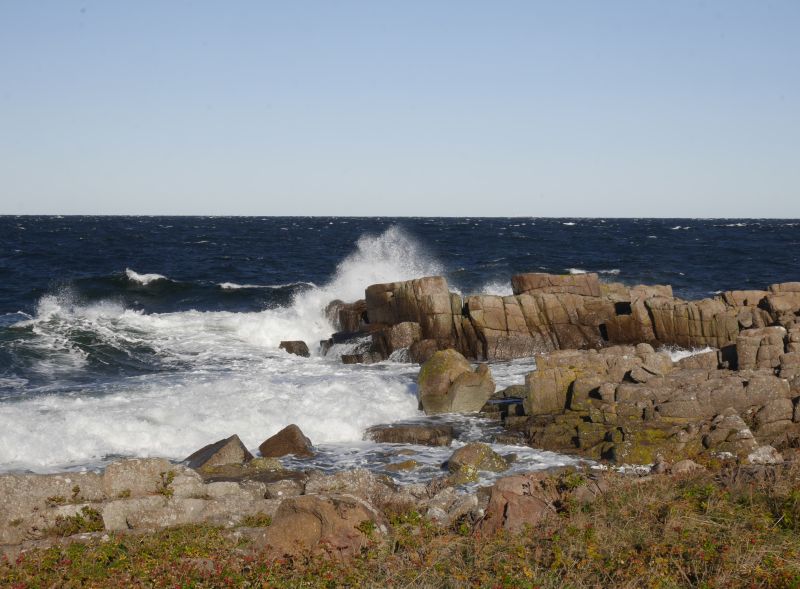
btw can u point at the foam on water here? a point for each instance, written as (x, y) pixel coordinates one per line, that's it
(143, 279)
(680, 353)
(172, 415)
(214, 373)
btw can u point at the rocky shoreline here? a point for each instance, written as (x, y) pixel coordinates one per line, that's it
(603, 389)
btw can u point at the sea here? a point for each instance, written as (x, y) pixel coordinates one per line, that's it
(154, 336)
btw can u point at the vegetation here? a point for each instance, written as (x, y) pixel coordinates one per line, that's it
(703, 530)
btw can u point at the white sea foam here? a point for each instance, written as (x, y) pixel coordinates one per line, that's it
(612, 271)
(497, 287)
(680, 353)
(568, 223)
(174, 415)
(235, 286)
(143, 279)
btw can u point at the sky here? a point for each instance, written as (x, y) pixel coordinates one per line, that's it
(417, 108)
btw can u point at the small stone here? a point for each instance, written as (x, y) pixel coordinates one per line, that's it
(290, 440)
(296, 347)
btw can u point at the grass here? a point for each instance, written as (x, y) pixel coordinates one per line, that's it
(705, 530)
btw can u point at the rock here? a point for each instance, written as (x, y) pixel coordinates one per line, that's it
(137, 477)
(765, 455)
(421, 351)
(760, 348)
(705, 360)
(375, 489)
(405, 465)
(396, 337)
(339, 525)
(447, 384)
(467, 461)
(283, 489)
(775, 416)
(578, 284)
(298, 348)
(290, 440)
(729, 433)
(519, 501)
(347, 317)
(426, 435)
(686, 466)
(226, 451)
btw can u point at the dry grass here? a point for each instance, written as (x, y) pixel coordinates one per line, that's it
(729, 529)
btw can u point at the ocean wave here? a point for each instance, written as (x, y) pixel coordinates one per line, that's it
(677, 353)
(235, 286)
(68, 335)
(497, 287)
(612, 271)
(143, 279)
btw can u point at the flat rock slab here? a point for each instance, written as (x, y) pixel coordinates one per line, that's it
(425, 435)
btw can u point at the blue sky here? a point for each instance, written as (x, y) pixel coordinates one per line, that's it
(567, 108)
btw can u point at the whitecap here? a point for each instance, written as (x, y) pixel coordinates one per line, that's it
(143, 279)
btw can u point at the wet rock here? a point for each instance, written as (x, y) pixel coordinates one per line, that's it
(227, 451)
(290, 440)
(405, 465)
(466, 462)
(448, 384)
(421, 351)
(298, 348)
(347, 317)
(424, 434)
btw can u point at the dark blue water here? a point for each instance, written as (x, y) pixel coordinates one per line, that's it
(89, 255)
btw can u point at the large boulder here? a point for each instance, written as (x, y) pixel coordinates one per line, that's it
(339, 525)
(519, 501)
(290, 440)
(466, 462)
(760, 348)
(447, 384)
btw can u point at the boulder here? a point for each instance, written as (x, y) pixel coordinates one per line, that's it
(359, 482)
(226, 451)
(424, 434)
(760, 348)
(447, 384)
(338, 525)
(296, 347)
(347, 317)
(290, 440)
(137, 477)
(465, 463)
(519, 501)
(765, 455)
(578, 284)
(684, 467)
